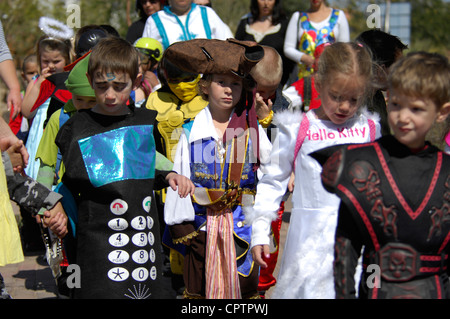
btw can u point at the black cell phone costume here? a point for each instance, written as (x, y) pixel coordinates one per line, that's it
(110, 170)
(395, 204)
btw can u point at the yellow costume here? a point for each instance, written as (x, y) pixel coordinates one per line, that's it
(172, 113)
(10, 244)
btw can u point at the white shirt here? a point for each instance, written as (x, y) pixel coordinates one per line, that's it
(188, 27)
(178, 210)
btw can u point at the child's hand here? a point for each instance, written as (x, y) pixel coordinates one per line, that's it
(307, 60)
(16, 156)
(259, 253)
(45, 73)
(14, 102)
(184, 184)
(56, 220)
(262, 109)
(291, 182)
(151, 78)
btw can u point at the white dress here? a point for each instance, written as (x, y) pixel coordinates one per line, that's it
(306, 265)
(34, 138)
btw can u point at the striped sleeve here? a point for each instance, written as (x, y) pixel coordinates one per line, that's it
(5, 54)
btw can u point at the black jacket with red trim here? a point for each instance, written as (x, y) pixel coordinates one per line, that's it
(394, 205)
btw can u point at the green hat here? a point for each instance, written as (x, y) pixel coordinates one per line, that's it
(77, 82)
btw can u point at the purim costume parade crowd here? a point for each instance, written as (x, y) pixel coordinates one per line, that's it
(161, 166)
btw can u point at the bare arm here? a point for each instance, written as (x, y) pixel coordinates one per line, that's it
(9, 76)
(31, 95)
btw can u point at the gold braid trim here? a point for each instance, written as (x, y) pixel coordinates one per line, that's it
(184, 239)
(187, 295)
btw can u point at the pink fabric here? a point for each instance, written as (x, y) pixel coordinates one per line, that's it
(304, 125)
(372, 130)
(222, 278)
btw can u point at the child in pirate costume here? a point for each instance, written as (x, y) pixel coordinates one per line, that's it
(111, 168)
(220, 150)
(395, 192)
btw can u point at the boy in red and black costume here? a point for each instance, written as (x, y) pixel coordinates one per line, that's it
(395, 192)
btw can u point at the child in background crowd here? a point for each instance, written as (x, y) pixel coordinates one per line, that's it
(52, 54)
(150, 53)
(302, 92)
(385, 49)
(20, 124)
(269, 100)
(30, 68)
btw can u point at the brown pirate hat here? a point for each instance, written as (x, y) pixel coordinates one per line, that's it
(212, 56)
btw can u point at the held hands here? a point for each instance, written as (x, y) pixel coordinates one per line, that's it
(259, 253)
(18, 158)
(184, 184)
(56, 220)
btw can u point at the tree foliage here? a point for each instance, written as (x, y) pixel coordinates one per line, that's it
(20, 24)
(429, 27)
(430, 30)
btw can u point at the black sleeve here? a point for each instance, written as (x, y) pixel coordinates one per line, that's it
(27, 192)
(159, 141)
(160, 179)
(347, 249)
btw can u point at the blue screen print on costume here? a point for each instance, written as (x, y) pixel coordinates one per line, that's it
(121, 154)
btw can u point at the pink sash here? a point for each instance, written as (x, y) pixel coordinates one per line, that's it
(222, 279)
